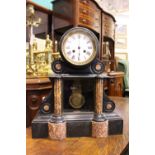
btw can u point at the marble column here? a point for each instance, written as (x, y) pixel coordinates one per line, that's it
(98, 116)
(57, 125)
(58, 97)
(99, 123)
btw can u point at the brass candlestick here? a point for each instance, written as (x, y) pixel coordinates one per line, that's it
(56, 54)
(31, 21)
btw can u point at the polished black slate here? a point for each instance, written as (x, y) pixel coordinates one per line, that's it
(39, 129)
(78, 124)
(79, 128)
(115, 126)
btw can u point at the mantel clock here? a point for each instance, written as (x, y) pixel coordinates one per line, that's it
(78, 105)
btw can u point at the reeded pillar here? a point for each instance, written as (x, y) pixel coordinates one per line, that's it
(58, 97)
(57, 126)
(99, 123)
(99, 100)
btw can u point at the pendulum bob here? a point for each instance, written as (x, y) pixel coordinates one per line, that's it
(79, 96)
(76, 100)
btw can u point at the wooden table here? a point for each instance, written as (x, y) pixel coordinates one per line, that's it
(112, 145)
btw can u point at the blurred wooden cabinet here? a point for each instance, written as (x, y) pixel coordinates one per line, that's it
(87, 13)
(108, 27)
(113, 84)
(36, 90)
(70, 13)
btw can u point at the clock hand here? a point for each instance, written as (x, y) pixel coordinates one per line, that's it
(79, 50)
(79, 56)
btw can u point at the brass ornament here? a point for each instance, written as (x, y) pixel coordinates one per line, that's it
(58, 66)
(98, 67)
(109, 106)
(48, 43)
(31, 21)
(46, 107)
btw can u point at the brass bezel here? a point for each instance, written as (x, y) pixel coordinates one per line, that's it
(84, 31)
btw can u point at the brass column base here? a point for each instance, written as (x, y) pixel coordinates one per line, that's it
(99, 129)
(57, 131)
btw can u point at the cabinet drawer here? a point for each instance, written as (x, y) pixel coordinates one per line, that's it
(89, 14)
(108, 26)
(85, 2)
(84, 21)
(88, 7)
(109, 33)
(95, 25)
(85, 11)
(88, 4)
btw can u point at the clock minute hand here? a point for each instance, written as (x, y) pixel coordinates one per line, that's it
(79, 48)
(79, 54)
(79, 57)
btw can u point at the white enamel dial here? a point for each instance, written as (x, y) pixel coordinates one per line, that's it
(79, 47)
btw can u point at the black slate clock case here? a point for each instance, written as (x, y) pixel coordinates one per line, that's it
(65, 67)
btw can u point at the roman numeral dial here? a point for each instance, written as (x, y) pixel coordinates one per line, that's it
(79, 46)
